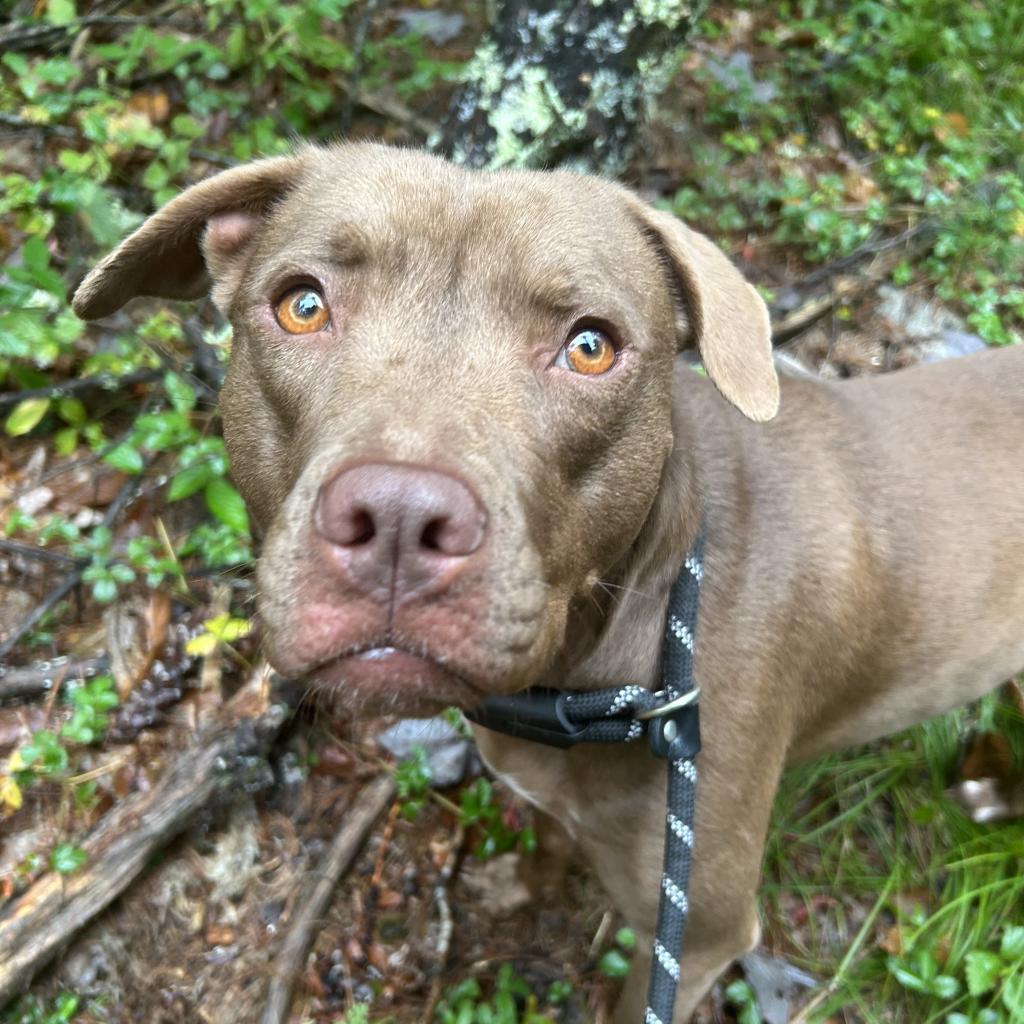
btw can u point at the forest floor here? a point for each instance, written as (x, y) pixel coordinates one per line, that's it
(862, 166)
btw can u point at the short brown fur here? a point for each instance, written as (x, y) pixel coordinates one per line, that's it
(865, 546)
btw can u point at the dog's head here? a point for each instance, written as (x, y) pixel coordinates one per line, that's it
(448, 406)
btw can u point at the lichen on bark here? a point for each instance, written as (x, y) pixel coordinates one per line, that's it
(565, 82)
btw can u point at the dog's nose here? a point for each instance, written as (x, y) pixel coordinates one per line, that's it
(396, 529)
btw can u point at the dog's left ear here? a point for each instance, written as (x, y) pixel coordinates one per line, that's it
(723, 314)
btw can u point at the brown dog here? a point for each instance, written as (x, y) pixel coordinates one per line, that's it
(455, 410)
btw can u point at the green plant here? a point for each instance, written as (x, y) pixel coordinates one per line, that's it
(412, 782)
(103, 572)
(67, 858)
(480, 808)
(92, 702)
(30, 1010)
(740, 995)
(511, 1002)
(616, 962)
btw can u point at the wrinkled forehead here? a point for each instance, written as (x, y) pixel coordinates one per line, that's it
(549, 238)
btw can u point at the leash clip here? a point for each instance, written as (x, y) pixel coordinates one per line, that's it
(673, 728)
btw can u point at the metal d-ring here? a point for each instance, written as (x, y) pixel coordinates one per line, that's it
(682, 701)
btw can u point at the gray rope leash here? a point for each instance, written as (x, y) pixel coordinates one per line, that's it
(622, 714)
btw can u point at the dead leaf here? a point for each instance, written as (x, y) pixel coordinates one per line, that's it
(155, 106)
(389, 899)
(1016, 690)
(220, 935)
(892, 941)
(859, 187)
(988, 757)
(136, 631)
(949, 125)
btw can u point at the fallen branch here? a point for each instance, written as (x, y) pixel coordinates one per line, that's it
(445, 922)
(845, 288)
(75, 385)
(312, 903)
(39, 554)
(35, 926)
(32, 680)
(46, 36)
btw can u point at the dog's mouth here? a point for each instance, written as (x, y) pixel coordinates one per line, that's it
(387, 677)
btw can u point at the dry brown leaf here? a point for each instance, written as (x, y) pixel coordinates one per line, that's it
(1016, 691)
(154, 105)
(988, 757)
(892, 941)
(220, 935)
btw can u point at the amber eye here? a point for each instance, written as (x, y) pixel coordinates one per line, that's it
(302, 311)
(589, 351)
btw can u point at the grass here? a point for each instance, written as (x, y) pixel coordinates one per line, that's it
(879, 885)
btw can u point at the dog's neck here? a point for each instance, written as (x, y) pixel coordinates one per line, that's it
(615, 637)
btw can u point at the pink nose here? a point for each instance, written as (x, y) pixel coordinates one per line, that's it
(395, 528)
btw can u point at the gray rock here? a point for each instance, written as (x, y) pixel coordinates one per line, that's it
(917, 316)
(774, 982)
(437, 26)
(450, 755)
(951, 345)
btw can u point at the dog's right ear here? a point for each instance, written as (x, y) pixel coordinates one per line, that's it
(200, 230)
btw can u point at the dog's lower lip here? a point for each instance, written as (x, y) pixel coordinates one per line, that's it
(397, 674)
(376, 653)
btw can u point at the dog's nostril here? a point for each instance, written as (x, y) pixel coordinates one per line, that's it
(431, 537)
(361, 528)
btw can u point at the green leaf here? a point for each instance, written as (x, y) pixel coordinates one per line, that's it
(47, 750)
(1013, 996)
(739, 993)
(227, 505)
(614, 965)
(156, 176)
(749, 1014)
(982, 971)
(71, 411)
(1012, 945)
(60, 12)
(104, 590)
(26, 415)
(67, 1006)
(906, 978)
(125, 458)
(67, 858)
(190, 480)
(65, 441)
(945, 986)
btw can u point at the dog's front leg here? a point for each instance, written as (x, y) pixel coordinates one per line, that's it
(733, 809)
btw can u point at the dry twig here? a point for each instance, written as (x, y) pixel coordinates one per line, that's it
(445, 926)
(313, 902)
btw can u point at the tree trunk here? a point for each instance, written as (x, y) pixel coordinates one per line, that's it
(565, 82)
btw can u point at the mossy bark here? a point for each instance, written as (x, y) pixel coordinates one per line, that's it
(565, 82)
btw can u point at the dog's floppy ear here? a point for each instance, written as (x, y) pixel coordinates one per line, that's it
(167, 257)
(725, 316)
